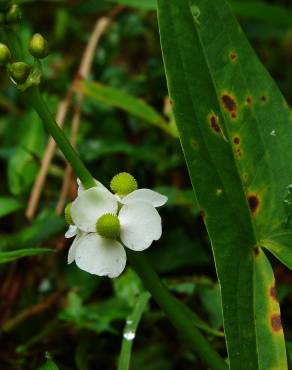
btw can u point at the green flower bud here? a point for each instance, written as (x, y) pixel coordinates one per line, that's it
(14, 14)
(67, 212)
(38, 46)
(19, 72)
(123, 183)
(108, 226)
(5, 54)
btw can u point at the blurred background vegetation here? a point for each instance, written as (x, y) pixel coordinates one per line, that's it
(125, 125)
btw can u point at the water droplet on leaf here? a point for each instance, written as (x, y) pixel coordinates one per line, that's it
(129, 335)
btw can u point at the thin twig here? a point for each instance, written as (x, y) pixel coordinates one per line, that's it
(34, 310)
(83, 71)
(46, 161)
(100, 27)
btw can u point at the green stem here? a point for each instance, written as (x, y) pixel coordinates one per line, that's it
(172, 308)
(170, 305)
(34, 97)
(14, 44)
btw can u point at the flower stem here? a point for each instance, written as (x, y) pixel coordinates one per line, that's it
(14, 44)
(33, 96)
(172, 308)
(169, 304)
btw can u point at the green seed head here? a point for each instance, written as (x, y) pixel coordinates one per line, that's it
(19, 72)
(123, 183)
(108, 226)
(14, 14)
(38, 46)
(67, 212)
(5, 54)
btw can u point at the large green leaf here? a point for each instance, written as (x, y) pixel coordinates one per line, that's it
(137, 107)
(236, 134)
(257, 10)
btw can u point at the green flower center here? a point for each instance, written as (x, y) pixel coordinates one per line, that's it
(123, 183)
(108, 226)
(68, 217)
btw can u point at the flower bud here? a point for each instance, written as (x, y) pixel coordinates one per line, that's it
(38, 46)
(108, 226)
(14, 14)
(5, 54)
(19, 72)
(67, 212)
(123, 183)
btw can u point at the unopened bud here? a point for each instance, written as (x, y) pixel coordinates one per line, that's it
(19, 72)
(14, 14)
(38, 46)
(5, 54)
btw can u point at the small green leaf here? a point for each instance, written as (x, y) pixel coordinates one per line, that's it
(9, 205)
(24, 164)
(20, 253)
(119, 99)
(49, 364)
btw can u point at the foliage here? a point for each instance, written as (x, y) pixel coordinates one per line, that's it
(127, 124)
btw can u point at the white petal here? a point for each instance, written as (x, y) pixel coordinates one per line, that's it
(72, 231)
(100, 256)
(140, 225)
(90, 205)
(72, 249)
(81, 188)
(145, 195)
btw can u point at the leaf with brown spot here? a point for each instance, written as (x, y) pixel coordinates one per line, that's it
(253, 173)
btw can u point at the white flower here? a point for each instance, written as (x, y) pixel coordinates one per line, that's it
(138, 222)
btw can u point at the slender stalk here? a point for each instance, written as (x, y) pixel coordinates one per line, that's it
(172, 308)
(170, 305)
(14, 44)
(34, 97)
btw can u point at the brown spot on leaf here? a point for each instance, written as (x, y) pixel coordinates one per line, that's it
(229, 104)
(214, 122)
(194, 144)
(232, 56)
(239, 152)
(273, 292)
(248, 100)
(170, 101)
(256, 251)
(253, 202)
(264, 98)
(236, 140)
(276, 322)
